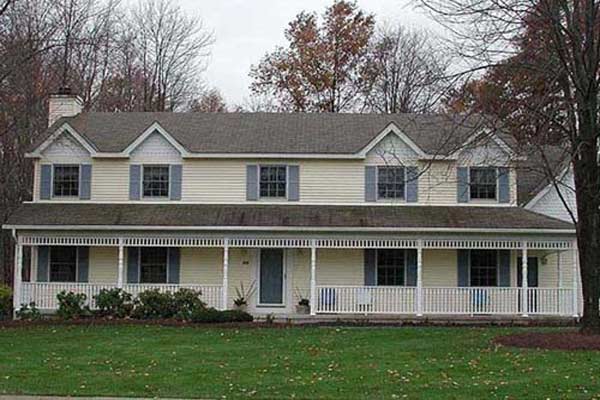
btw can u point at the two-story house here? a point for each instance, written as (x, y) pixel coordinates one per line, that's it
(359, 213)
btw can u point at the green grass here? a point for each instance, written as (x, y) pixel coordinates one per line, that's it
(326, 363)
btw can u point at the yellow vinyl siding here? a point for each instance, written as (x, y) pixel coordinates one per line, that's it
(332, 181)
(214, 181)
(437, 183)
(104, 265)
(340, 267)
(110, 180)
(36, 180)
(201, 266)
(242, 263)
(440, 268)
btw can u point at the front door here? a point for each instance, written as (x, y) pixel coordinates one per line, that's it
(272, 277)
(532, 281)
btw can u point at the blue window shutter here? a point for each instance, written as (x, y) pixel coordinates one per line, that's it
(370, 267)
(175, 179)
(46, 182)
(503, 267)
(370, 183)
(173, 265)
(83, 263)
(293, 183)
(463, 267)
(133, 258)
(462, 184)
(43, 263)
(411, 267)
(252, 182)
(85, 183)
(412, 184)
(503, 185)
(135, 172)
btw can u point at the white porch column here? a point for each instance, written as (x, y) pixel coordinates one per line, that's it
(120, 279)
(575, 280)
(524, 280)
(18, 277)
(313, 278)
(225, 273)
(420, 278)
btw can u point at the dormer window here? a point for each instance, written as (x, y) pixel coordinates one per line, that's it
(483, 183)
(391, 183)
(273, 181)
(66, 181)
(155, 183)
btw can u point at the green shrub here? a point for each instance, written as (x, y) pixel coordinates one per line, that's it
(212, 315)
(186, 302)
(5, 302)
(29, 312)
(152, 304)
(114, 303)
(71, 305)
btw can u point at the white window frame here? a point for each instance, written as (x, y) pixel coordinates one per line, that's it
(405, 268)
(139, 266)
(391, 199)
(497, 267)
(52, 177)
(50, 248)
(155, 198)
(287, 182)
(496, 199)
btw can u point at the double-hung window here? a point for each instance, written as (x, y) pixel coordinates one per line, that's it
(63, 264)
(391, 182)
(483, 182)
(153, 265)
(273, 181)
(391, 267)
(484, 268)
(66, 181)
(155, 182)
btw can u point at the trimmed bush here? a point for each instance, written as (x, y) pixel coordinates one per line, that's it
(5, 302)
(152, 304)
(186, 302)
(72, 305)
(212, 315)
(29, 312)
(114, 303)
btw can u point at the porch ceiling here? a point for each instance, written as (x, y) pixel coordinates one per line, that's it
(305, 217)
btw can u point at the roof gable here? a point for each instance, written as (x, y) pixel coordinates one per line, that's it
(61, 133)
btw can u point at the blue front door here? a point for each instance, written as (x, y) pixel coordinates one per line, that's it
(271, 276)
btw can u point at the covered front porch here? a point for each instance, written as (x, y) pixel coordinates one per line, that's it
(340, 274)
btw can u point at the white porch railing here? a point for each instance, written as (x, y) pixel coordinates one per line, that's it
(444, 300)
(365, 299)
(44, 293)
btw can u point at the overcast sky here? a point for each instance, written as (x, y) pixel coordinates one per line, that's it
(246, 29)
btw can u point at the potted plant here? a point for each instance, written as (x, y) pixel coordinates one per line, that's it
(303, 306)
(243, 295)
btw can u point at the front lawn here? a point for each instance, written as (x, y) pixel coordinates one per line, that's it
(316, 362)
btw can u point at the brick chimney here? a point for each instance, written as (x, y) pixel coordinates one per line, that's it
(63, 104)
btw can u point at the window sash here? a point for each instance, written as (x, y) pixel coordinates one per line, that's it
(483, 183)
(153, 264)
(391, 267)
(273, 181)
(63, 264)
(65, 180)
(391, 182)
(155, 181)
(484, 268)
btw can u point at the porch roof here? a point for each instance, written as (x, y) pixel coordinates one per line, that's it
(282, 217)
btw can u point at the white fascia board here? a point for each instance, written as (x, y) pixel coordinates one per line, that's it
(392, 128)
(62, 129)
(501, 143)
(155, 127)
(531, 203)
(284, 229)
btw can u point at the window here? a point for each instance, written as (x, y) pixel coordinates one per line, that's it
(153, 265)
(63, 264)
(484, 268)
(390, 182)
(66, 180)
(390, 267)
(483, 183)
(273, 181)
(156, 181)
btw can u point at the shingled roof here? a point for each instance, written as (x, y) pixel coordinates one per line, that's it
(283, 133)
(284, 216)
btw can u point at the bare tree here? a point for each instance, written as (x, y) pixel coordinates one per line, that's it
(210, 101)
(170, 47)
(567, 33)
(405, 72)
